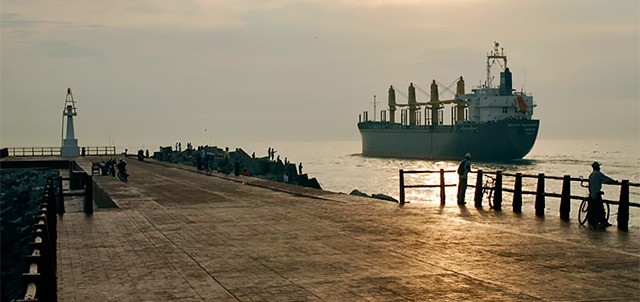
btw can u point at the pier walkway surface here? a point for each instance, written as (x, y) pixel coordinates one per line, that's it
(178, 235)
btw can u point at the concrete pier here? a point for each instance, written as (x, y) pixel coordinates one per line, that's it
(178, 235)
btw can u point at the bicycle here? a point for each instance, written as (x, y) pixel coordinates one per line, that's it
(584, 205)
(488, 188)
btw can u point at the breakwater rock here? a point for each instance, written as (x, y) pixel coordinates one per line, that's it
(377, 196)
(212, 158)
(20, 195)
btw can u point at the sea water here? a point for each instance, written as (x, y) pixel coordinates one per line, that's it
(340, 167)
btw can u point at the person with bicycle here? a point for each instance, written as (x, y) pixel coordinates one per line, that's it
(596, 215)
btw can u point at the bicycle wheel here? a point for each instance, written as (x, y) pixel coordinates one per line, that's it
(582, 212)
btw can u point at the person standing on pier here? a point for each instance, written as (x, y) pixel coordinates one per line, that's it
(596, 214)
(236, 157)
(463, 169)
(226, 159)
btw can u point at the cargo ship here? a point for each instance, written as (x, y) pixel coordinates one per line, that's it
(492, 123)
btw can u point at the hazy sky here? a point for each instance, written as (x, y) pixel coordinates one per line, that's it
(151, 72)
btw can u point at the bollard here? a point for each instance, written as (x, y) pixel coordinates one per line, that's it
(497, 192)
(623, 206)
(565, 198)
(88, 195)
(540, 196)
(401, 187)
(478, 195)
(517, 194)
(442, 191)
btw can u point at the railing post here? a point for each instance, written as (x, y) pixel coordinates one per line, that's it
(497, 193)
(517, 194)
(623, 207)
(477, 199)
(443, 197)
(52, 224)
(565, 198)
(88, 195)
(60, 207)
(401, 187)
(540, 196)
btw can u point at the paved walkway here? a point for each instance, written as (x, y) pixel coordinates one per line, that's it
(182, 236)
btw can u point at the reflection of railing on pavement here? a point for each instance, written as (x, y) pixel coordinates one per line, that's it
(56, 151)
(540, 194)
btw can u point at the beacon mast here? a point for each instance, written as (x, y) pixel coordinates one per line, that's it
(69, 142)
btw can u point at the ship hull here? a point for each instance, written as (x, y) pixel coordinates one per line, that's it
(491, 141)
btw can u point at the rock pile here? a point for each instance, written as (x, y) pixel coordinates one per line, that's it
(249, 165)
(377, 196)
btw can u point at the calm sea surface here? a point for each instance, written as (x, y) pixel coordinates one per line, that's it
(339, 167)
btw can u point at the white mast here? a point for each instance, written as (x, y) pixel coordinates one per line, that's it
(496, 54)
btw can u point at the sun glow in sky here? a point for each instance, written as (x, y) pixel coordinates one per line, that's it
(156, 72)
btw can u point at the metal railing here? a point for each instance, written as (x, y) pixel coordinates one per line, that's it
(106, 150)
(40, 279)
(540, 194)
(56, 151)
(35, 151)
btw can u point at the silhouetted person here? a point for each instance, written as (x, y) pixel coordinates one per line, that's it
(463, 169)
(236, 157)
(226, 159)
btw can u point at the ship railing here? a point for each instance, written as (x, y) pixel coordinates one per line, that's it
(623, 204)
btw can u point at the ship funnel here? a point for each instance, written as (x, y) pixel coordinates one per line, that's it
(506, 82)
(392, 104)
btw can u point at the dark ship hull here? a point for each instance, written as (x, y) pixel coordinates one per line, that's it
(490, 141)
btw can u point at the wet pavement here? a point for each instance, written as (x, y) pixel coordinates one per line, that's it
(178, 235)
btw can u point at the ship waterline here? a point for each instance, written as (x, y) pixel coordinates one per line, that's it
(500, 140)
